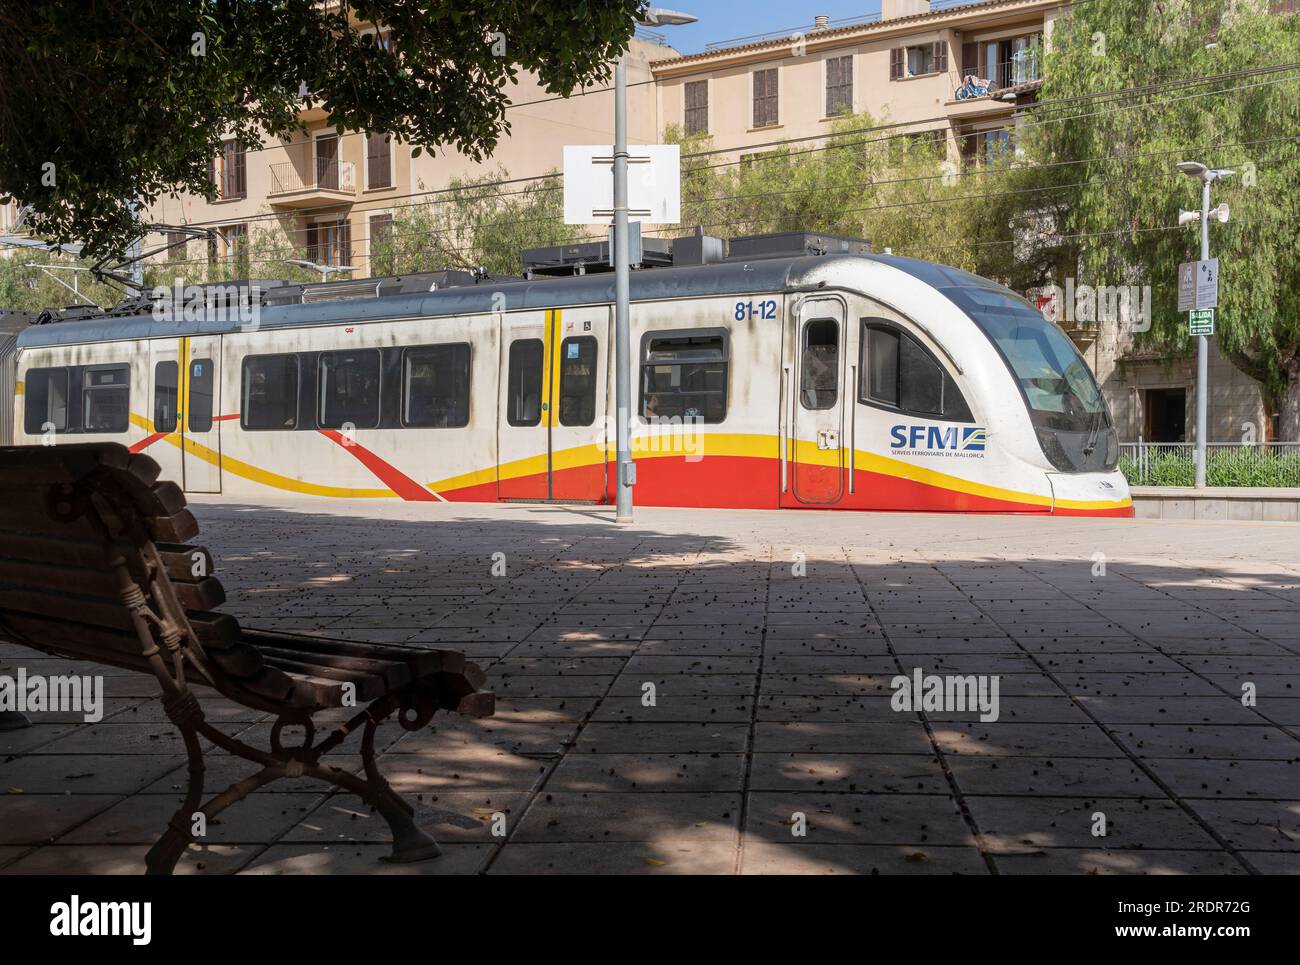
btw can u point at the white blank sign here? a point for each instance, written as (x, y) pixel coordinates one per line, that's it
(654, 183)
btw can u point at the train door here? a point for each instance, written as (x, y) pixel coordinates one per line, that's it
(201, 413)
(551, 430)
(163, 423)
(813, 436)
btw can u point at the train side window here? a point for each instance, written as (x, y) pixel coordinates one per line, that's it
(45, 400)
(524, 383)
(684, 375)
(819, 368)
(106, 398)
(436, 386)
(578, 381)
(897, 372)
(270, 392)
(164, 396)
(349, 389)
(202, 386)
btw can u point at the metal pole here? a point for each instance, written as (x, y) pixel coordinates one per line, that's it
(622, 350)
(1202, 347)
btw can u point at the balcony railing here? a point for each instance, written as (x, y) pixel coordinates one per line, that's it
(1025, 68)
(1271, 464)
(322, 174)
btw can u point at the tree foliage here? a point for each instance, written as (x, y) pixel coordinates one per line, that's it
(107, 104)
(1114, 220)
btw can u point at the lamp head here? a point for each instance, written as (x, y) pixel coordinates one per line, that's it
(663, 17)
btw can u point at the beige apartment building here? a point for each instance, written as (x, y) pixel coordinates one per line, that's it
(329, 194)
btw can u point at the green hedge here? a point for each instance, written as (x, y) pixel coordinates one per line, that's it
(1237, 466)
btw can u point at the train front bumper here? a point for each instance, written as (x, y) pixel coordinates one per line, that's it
(1090, 494)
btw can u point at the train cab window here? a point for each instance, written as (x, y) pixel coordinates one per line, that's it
(435, 381)
(897, 372)
(270, 392)
(105, 398)
(45, 400)
(349, 389)
(164, 396)
(524, 383)
(202, 384)
(684, 375)
(819, 367)
(578, 381)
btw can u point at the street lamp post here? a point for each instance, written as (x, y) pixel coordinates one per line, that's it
(625, 471)
(1207, 176)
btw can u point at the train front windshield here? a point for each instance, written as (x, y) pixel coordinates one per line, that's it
(1066, 406)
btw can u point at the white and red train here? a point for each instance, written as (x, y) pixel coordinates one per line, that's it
(782, 380)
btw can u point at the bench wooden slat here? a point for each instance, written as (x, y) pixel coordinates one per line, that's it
(181, 560)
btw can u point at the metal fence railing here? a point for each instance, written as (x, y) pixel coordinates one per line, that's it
(1226, 463)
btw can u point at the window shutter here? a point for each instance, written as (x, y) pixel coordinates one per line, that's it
(212, 175)
(313, 243)
(773, 99)
(895, 63)
(970, 59)
(240, 169)
(345, 242)
(941, 56)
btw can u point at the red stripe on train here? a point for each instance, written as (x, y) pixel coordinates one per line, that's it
(385, 472)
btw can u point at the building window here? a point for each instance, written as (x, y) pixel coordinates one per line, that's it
(164, 396)
(177, 244)
(202, 391)
(697, 106)
(327, 161)
(379, 161)
(684, 375)
(436, 386)
(766, 113)
(330, 242)
(918, 60)
(524, 383)
(896, 372)
(229, 171)
(839, 85)
(382, 256)
(986, 148)
(233, 239)
(270, 392)
(578, 381)
(819, 368)
(349, 389)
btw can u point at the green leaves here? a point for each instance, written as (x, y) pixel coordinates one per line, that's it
(124, 108)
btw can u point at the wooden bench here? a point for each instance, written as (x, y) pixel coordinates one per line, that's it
(96, 564)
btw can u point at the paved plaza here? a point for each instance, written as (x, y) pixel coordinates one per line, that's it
(710, 692)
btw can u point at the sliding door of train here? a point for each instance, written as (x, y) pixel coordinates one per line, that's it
(551, 430)
(814, 441)
(185, 411)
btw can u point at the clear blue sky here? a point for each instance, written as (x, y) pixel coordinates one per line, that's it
(729, 19)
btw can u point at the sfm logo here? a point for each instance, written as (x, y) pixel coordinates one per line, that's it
(936, 439)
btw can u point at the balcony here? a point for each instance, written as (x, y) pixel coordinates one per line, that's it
(314, 183)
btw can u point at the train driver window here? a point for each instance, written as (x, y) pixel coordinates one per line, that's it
(45, 401)
(202, 389)
(684, 375)
(524, 383)
(578, 381)
(819, 367)
(270, 392)
(897, 372)
(436, 386)
(105, 398)
(164, 397)
(349, 389)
